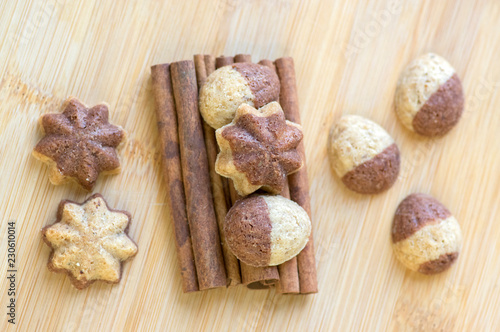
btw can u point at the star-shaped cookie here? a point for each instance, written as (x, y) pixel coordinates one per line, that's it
(79, 143)
(259, 149)
(89, 241)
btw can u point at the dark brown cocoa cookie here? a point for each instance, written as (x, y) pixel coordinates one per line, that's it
(425, 236)
(429, 96)
(363, 155)
(89, 241)
(230, 86)
(259, 149)
(79, 144)
(266, 230)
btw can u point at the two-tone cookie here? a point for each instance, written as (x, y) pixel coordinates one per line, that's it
(230, 86)
(425, 236)
(79, 144)
(265, 230)
(89, 241)
(363, 155)
(429, 96)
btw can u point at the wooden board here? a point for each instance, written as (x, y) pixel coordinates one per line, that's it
(348, 55)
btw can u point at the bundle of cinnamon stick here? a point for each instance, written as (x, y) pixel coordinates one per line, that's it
(200, 198)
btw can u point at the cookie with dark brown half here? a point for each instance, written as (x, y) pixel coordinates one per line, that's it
(230, 86)
(89, 241)
(79, 144)
(363, 155)
(429, 96)
(259, 149)
(425, 236)
(264, 230)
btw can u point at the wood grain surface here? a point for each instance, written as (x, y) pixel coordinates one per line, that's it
(348, 55)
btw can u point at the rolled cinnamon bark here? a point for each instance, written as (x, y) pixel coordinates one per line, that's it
(289, 275)
(204, 66)
(267, 63)
(233, 194)
(253, 277)
(200, 209)
(298, 182)
(242, 58)
(229, 190)
(201, 71)
(172, 174)
(209, 63)
(222, 61)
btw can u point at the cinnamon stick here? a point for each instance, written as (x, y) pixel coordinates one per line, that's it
(172, 174)
(298, 182)
(201, 71)
(267, 63)
(242, 58)
(222, 61)
(199, 201)
(231, 194)
(209, 63)
(250, 275)
(234, 263)
(204, 66)
(289, 275)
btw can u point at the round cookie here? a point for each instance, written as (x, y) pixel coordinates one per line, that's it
(425, 236)
(230, 86)
(429, 96)
(264, 230)
(363, 155)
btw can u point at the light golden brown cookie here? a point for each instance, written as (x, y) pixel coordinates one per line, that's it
(230, 86)
(363, 155)
(259, 149)
(263, 230)
(429, 96)
(79, 144)
(89, 241)
(425, 236)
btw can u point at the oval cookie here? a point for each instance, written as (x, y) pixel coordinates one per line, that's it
(425, 236)
(429, 96)
(363, 155)
(230, 86)
(266, 230)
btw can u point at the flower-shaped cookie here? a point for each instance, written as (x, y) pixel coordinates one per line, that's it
(79, 143)
(89, 241)
(259, 149)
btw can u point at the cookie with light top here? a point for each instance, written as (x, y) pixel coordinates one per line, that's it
(258, 149)
(429, 96)
(425, 235)
(363, 155)
(79, 144)
(230, 86)
(89, 241)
